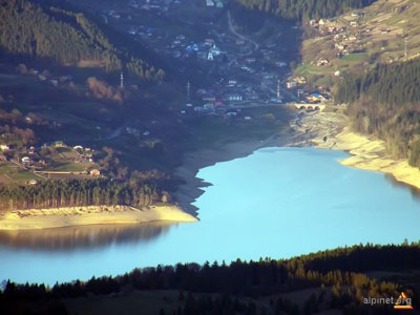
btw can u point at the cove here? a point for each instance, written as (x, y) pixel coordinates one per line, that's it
(276, 202)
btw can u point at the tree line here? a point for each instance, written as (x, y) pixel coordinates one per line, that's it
(36, 31)
(339, 274)
(304, 9)
(385, 102)
(75, 193)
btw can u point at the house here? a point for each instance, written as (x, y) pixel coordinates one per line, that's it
(208, 106)
(300, 80)
(95, 172)
(340, 46)
(322, 62)
(26, 160)
(209, 98)
(291, 84)
(232, 82)
(219, 4)
(58, 144)
(4, 147)
(312, 22)
(231, 113)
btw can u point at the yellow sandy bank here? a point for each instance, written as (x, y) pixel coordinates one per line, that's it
(368, 154)
(92, 215)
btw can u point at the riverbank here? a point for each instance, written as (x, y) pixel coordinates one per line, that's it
(330, 130)
(92, 215)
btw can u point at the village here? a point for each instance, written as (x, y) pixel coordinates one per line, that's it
(242, 72)
(50, 161)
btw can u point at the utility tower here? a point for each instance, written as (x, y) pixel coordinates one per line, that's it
(405, 48)
(121, 80)
(278, 89)
(188, 89)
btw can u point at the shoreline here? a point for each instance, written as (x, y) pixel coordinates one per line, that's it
(192, 188)
(36, 219)
(331, 130)
(324, 130)
(308, 129)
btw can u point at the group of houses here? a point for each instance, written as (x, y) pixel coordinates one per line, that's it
(345, 33)
(40, 158)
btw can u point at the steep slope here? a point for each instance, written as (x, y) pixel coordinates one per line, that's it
(304, 8)
(32, 31)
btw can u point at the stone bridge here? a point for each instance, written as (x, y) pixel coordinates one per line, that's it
(309, 106)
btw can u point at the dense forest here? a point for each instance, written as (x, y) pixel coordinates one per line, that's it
(338, 279)
(31, 31)
(304, 9)
(73, 193)
(385, 102)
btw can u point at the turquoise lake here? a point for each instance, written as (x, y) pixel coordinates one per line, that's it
(276, 202)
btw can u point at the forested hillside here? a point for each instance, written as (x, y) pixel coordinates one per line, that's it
(298, 9)
(386, 102)
(31, 31)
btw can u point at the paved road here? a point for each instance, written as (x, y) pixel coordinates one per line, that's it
(233, 31)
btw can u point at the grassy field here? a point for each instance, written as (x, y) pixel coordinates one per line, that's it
(11, 173)
(70, 167)
(356, 57)
(308, 70)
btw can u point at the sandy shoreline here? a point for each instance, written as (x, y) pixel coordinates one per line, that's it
(330, 130)
(93, 215)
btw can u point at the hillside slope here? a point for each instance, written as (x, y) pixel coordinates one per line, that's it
(303, 9)
(371, 59)
(32, 31)
(386, 31)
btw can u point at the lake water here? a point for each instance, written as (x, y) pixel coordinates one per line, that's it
(277, 202)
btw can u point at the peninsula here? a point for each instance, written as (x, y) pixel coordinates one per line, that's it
(91, 215)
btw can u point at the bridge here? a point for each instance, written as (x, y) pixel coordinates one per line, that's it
(309, 106)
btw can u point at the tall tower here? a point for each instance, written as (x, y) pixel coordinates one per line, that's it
(188, 89)
(121, 80)
(405, 48)
(278, 89)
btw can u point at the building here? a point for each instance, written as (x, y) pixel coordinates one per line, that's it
(233, 97)
(95, 172)
(58, 144)
(26, 160)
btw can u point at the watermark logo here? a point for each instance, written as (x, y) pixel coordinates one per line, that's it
(403, 302)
